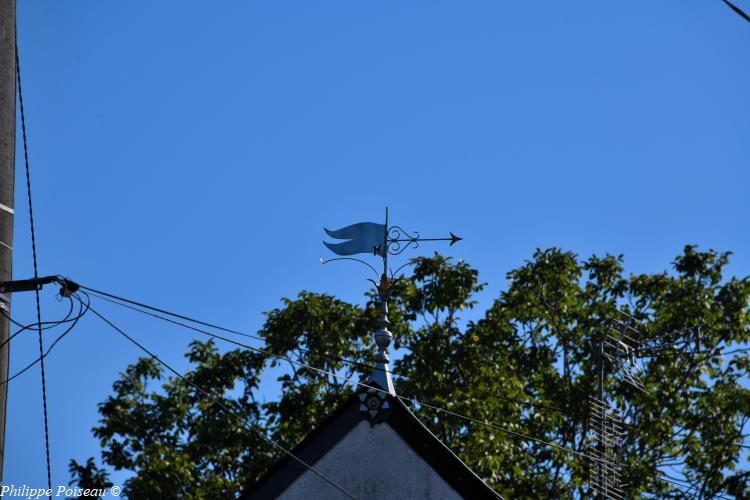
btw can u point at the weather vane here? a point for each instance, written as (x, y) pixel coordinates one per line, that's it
(380, 240)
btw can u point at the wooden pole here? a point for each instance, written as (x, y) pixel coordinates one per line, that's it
(7, 181)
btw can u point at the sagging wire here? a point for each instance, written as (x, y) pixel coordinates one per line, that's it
(35, 325)
(370, 387)
(411, 400)
(133, 305)
(224, 407)
(82, 310)
(687, 486)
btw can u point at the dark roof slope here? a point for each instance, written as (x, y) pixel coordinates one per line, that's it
(426, 445)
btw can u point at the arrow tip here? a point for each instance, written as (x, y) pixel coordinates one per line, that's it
(455, 239)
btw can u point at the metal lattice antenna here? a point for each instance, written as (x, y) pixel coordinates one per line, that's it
(379, 240)
(622, 348)
(617, 347)
(625, 341)
(605, 448)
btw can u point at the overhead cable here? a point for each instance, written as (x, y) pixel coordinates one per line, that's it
(49, 324)
(36, 270)
(687, 486)
(374, 388)
(114, 299)
(225, 408)
(737, 10)
(82, 311)
(125, 303)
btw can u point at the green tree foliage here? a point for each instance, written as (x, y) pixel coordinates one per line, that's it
(537, 343)
(89, 477)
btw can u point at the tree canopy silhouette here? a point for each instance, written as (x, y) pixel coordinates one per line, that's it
(536, 343)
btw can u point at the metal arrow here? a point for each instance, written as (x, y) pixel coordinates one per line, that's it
(453, 239)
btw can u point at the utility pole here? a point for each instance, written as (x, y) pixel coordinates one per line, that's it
(7, 181)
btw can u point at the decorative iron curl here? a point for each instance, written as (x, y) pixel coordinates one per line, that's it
(398, 269)
(398, 235)
(324, 261)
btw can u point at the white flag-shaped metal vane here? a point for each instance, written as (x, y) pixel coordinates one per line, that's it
(364, 237)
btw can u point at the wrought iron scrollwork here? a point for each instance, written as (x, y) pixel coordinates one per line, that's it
(326, 261)
(399, 239)
(379, 240)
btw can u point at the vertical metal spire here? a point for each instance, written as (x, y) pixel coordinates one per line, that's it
(380, 240)
(382, 374)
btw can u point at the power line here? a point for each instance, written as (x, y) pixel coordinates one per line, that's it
(114, 299)
(31, 325)
(36, 269)
(50, 324)
(224, 407)
(370, 387)
(686, 486)
(737, 10)
(503, 429)
(82, 311)
(156, 309)
(109, 297)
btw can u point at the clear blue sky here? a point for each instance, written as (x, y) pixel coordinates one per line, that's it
(188, 154)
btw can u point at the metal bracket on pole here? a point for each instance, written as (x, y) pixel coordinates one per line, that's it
(26, 285)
